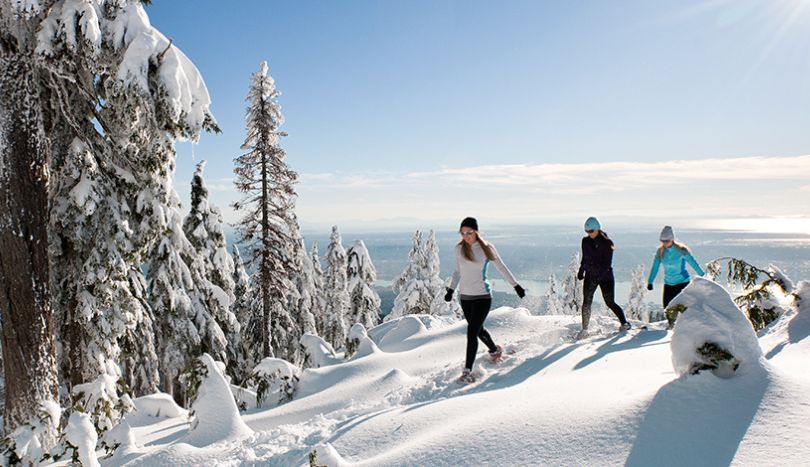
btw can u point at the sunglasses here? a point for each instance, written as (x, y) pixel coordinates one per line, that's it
(465, 233)
(590, 231)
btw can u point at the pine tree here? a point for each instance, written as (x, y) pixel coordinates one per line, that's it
(203, 228)
(434, 282)
(572, 289)
(637, 303)
(268, 226)
(364, 301)
(318, 307)
(307, 292)
(241, 307)
(336, 295)
(414, 293)
(116, 103)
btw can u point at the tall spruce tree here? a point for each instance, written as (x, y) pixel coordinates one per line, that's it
(336, 294)
(268, 225)
(318, 307)
(120, 95)
(204, 230)
(364, 301)
(241, 306)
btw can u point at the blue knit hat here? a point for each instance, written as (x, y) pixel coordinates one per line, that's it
(592, 224)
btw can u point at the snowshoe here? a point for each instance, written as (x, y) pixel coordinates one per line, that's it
(467, 377)
(624, 327)
(581, 334)
(497, 355)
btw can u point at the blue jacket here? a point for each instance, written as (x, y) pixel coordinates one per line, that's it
(674, 266)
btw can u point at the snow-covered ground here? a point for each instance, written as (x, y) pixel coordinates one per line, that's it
(611, 399)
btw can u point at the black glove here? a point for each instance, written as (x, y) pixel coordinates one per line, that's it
(449, 295)
(581, 274)
(519, 290)
(649, 286)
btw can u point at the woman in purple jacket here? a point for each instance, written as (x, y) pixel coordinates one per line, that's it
(596, 269)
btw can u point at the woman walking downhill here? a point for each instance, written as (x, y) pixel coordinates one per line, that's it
(473, 256)
(674, 256)
(596, 269)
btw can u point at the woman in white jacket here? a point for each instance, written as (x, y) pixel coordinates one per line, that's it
(473, 256)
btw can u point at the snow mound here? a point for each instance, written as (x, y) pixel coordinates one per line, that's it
(270, 366)
(405, 328)
(318, 352)
(216, 417)
(363, 345)
(712, 322)
(158, 405)
(81, 433)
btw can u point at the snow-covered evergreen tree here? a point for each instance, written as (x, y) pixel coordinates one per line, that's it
(307, 292)
(241, 307)
(120, 94)
(203, 228)
(336, 294)
(554, 303)
(637, 302)
(434, 282)
(178, 307)
(415, 293)
(268, 227)
(318, 306)
(364, 301)
(572, 294)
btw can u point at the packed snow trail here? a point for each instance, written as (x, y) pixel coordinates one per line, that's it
(610, 399)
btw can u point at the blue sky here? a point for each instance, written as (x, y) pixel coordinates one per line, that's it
(421, 112)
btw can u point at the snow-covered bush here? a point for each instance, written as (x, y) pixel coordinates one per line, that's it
(554, 302)
(712, 332)
(763, 290)
(81, 437)
(572, 294)
(274, 380)
(24, 446)
(356, 334)
(100, 399)
(637, 302)
(214, 414)
(317, 352)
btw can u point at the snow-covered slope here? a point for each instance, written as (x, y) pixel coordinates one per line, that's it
(613, 399)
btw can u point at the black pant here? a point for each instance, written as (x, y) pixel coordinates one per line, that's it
(475, 312)
(671, 291)
(607, 286)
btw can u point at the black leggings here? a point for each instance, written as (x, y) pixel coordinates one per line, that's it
(607, 287)
(475, 312)
(672, 291)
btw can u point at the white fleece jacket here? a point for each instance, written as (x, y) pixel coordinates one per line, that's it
(470, 277)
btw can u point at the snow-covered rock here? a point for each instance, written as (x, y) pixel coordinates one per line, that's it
(711, 318)
(216, 416)
(158, 405)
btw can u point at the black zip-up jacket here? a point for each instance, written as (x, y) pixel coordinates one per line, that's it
(597, 258)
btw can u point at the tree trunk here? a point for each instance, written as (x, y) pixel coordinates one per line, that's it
(266, 299)
(28, 337)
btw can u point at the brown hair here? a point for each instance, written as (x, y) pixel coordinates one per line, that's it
(682, 249)
(467, 249)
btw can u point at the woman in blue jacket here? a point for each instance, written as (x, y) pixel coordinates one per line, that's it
(674, 256)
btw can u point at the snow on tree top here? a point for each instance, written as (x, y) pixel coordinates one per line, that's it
(127, 27)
